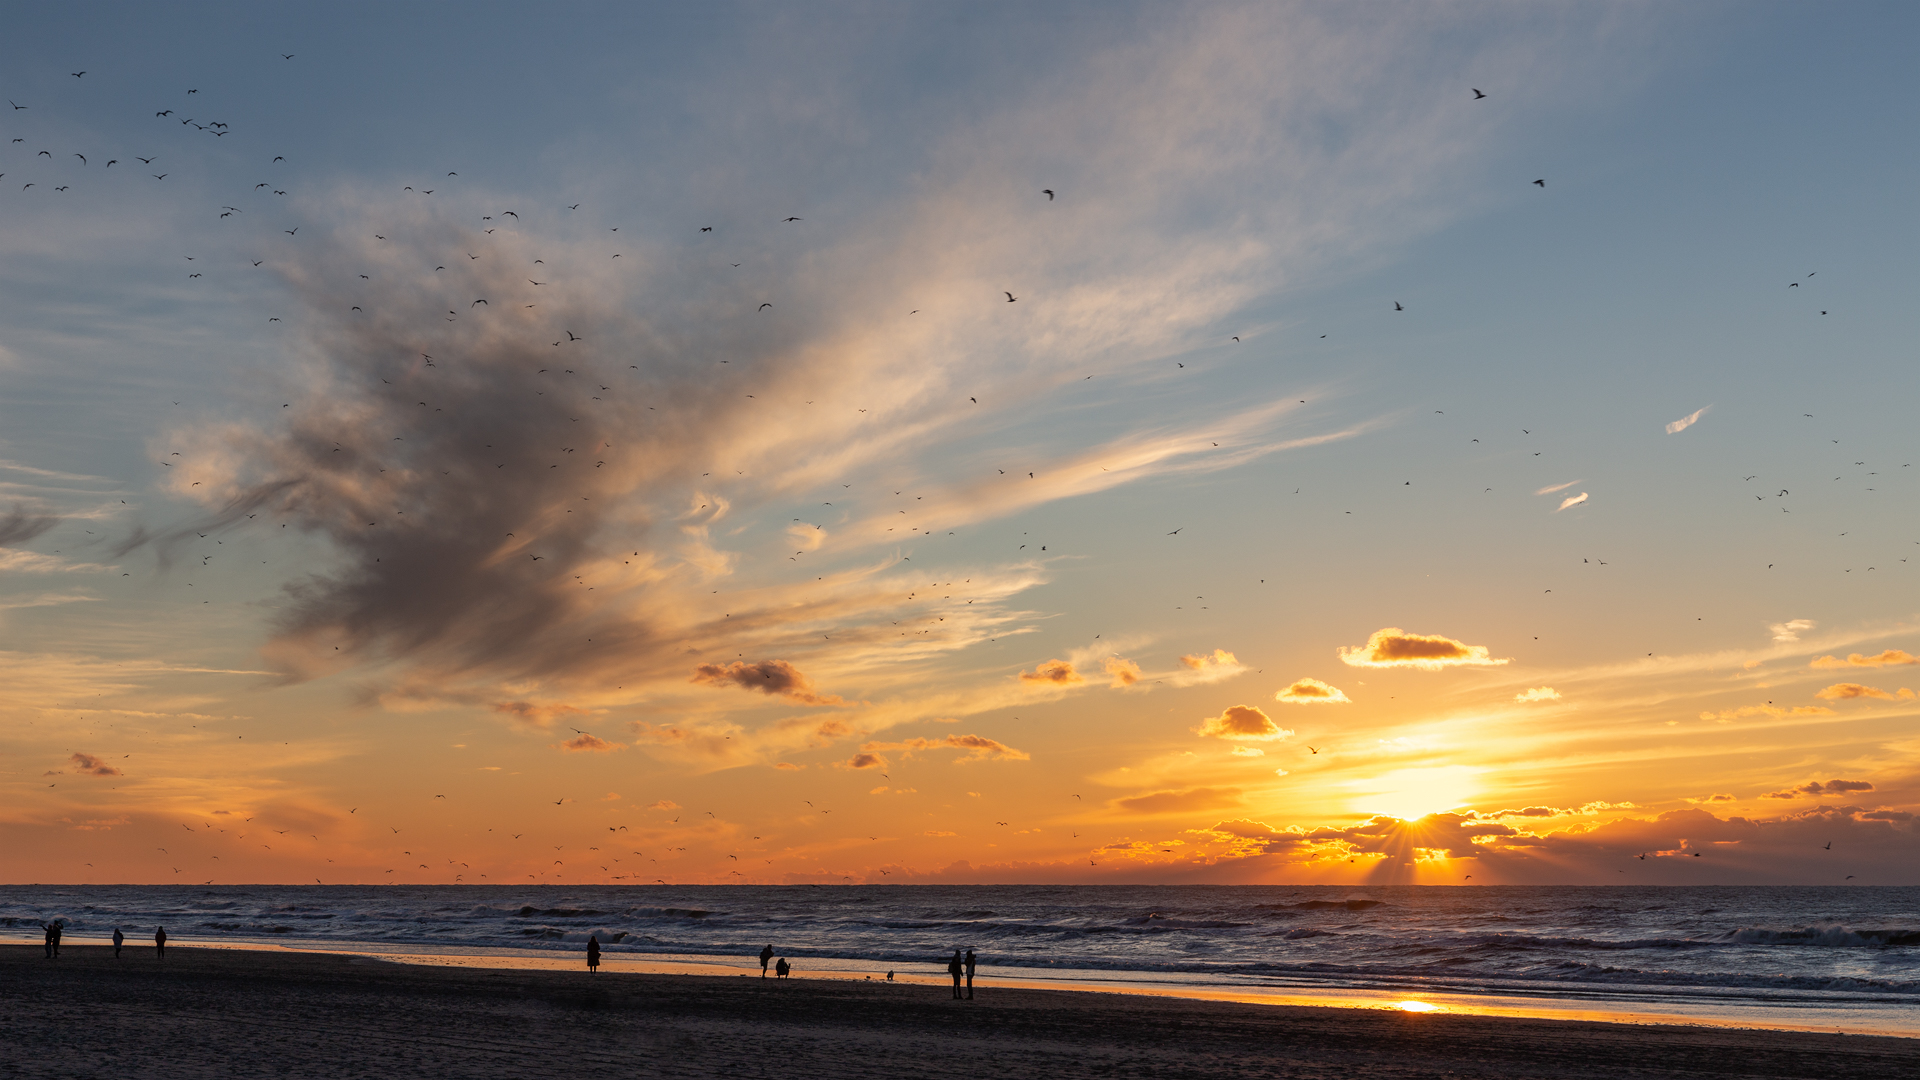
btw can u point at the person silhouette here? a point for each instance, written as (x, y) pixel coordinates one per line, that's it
(49, 928)
(593, 953)
(970, 962)
(955, 967)
(160, 942)
(118, 940)
(780, 969)
(766, 955)
(54, 932)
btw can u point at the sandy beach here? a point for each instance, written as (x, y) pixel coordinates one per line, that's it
(227, 1013)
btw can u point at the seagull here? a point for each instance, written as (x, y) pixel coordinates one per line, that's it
(1011, 298)
(1477, 95)
(1397, 307)
(764, 307)
(793, 219)
(1048, 192)
(1311, 748)
(1541, 183)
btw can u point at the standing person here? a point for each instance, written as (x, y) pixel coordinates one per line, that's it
(118, 940)
(780, 969)
(970, 963)
(766, 955)
(593, 953)
(954, 968)
(49, 928)
(160, 943)
(54, 930)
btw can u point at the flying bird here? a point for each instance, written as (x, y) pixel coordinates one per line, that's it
(1477, 95)
(1011, 298)
(1049, 193)
(1397, 307)
(1540, 183)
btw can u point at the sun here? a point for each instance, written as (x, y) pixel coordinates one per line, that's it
(1414, 793)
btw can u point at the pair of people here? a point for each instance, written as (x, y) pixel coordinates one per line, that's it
(959, 966)
(53, 940)
(780, 969)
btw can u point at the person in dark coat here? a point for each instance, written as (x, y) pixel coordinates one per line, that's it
(49, 929)
(160, 942)
(54, 931)
(593, 952)
(766, 957)
(118, 940)
(970, 963)
(956, 967)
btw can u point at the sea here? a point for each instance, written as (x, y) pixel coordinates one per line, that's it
(1820, 958)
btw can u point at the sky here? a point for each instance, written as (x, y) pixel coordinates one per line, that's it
(1270, 443)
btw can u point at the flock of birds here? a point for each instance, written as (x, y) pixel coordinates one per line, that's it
(66, 172)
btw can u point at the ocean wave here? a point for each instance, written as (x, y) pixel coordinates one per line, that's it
(1830, 937)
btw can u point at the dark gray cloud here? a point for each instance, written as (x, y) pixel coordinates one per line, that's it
(21, 525)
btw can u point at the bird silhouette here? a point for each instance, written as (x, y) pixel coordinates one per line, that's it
(1477, 95)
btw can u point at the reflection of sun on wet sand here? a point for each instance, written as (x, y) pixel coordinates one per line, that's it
(224, 1012)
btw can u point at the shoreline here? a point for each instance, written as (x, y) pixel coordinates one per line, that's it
(1748, 1014)
(231, 1012)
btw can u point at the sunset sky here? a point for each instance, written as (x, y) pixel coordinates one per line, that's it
(959, 442)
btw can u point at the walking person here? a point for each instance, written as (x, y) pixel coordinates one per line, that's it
(956, 967)
(970, 964)
(766, 955)
(593, 953)
(118, 940)
(160, 943)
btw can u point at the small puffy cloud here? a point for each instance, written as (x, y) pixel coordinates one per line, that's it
(534, 715)
(1815, 787)
(665, 804)
(1312, 692)
(586, 743)
(1790, 631)
(1890, 658)
(787, 766)
(1217, 660)
(1718, 797)
(1688, 420)
(1538, 693)
(1248, 751)
(1571, 500)
(1175, 802)
(1394, 647)
(1842, 691)
(773, 677)
(88, 765)
(1745, 711)
(1052, 673)
(864, 760)
(1242, 722)
(1125, 672)
(977, 747)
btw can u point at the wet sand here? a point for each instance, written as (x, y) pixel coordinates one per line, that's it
(228, 1013)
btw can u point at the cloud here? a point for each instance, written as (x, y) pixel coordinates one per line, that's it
(865, 760)
(1052, 673)
(1183, 801)
(1846, 690)
(1217, 660)
(1889, 658)
(587, 743)
(1394, 647)
(1745, 711)
(774, 677)
(1790, 631)
(788, 766)
(1242, 722)
(1815, 787)
(89, 765)
(1125, 672)
(1556, 487)
(1307, 691)
(977, 747)
(1248, 751)
(1688, 420)
(533, 715)
(1538, 693)
(21, 525)
(1571, 500)
(665, 804)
